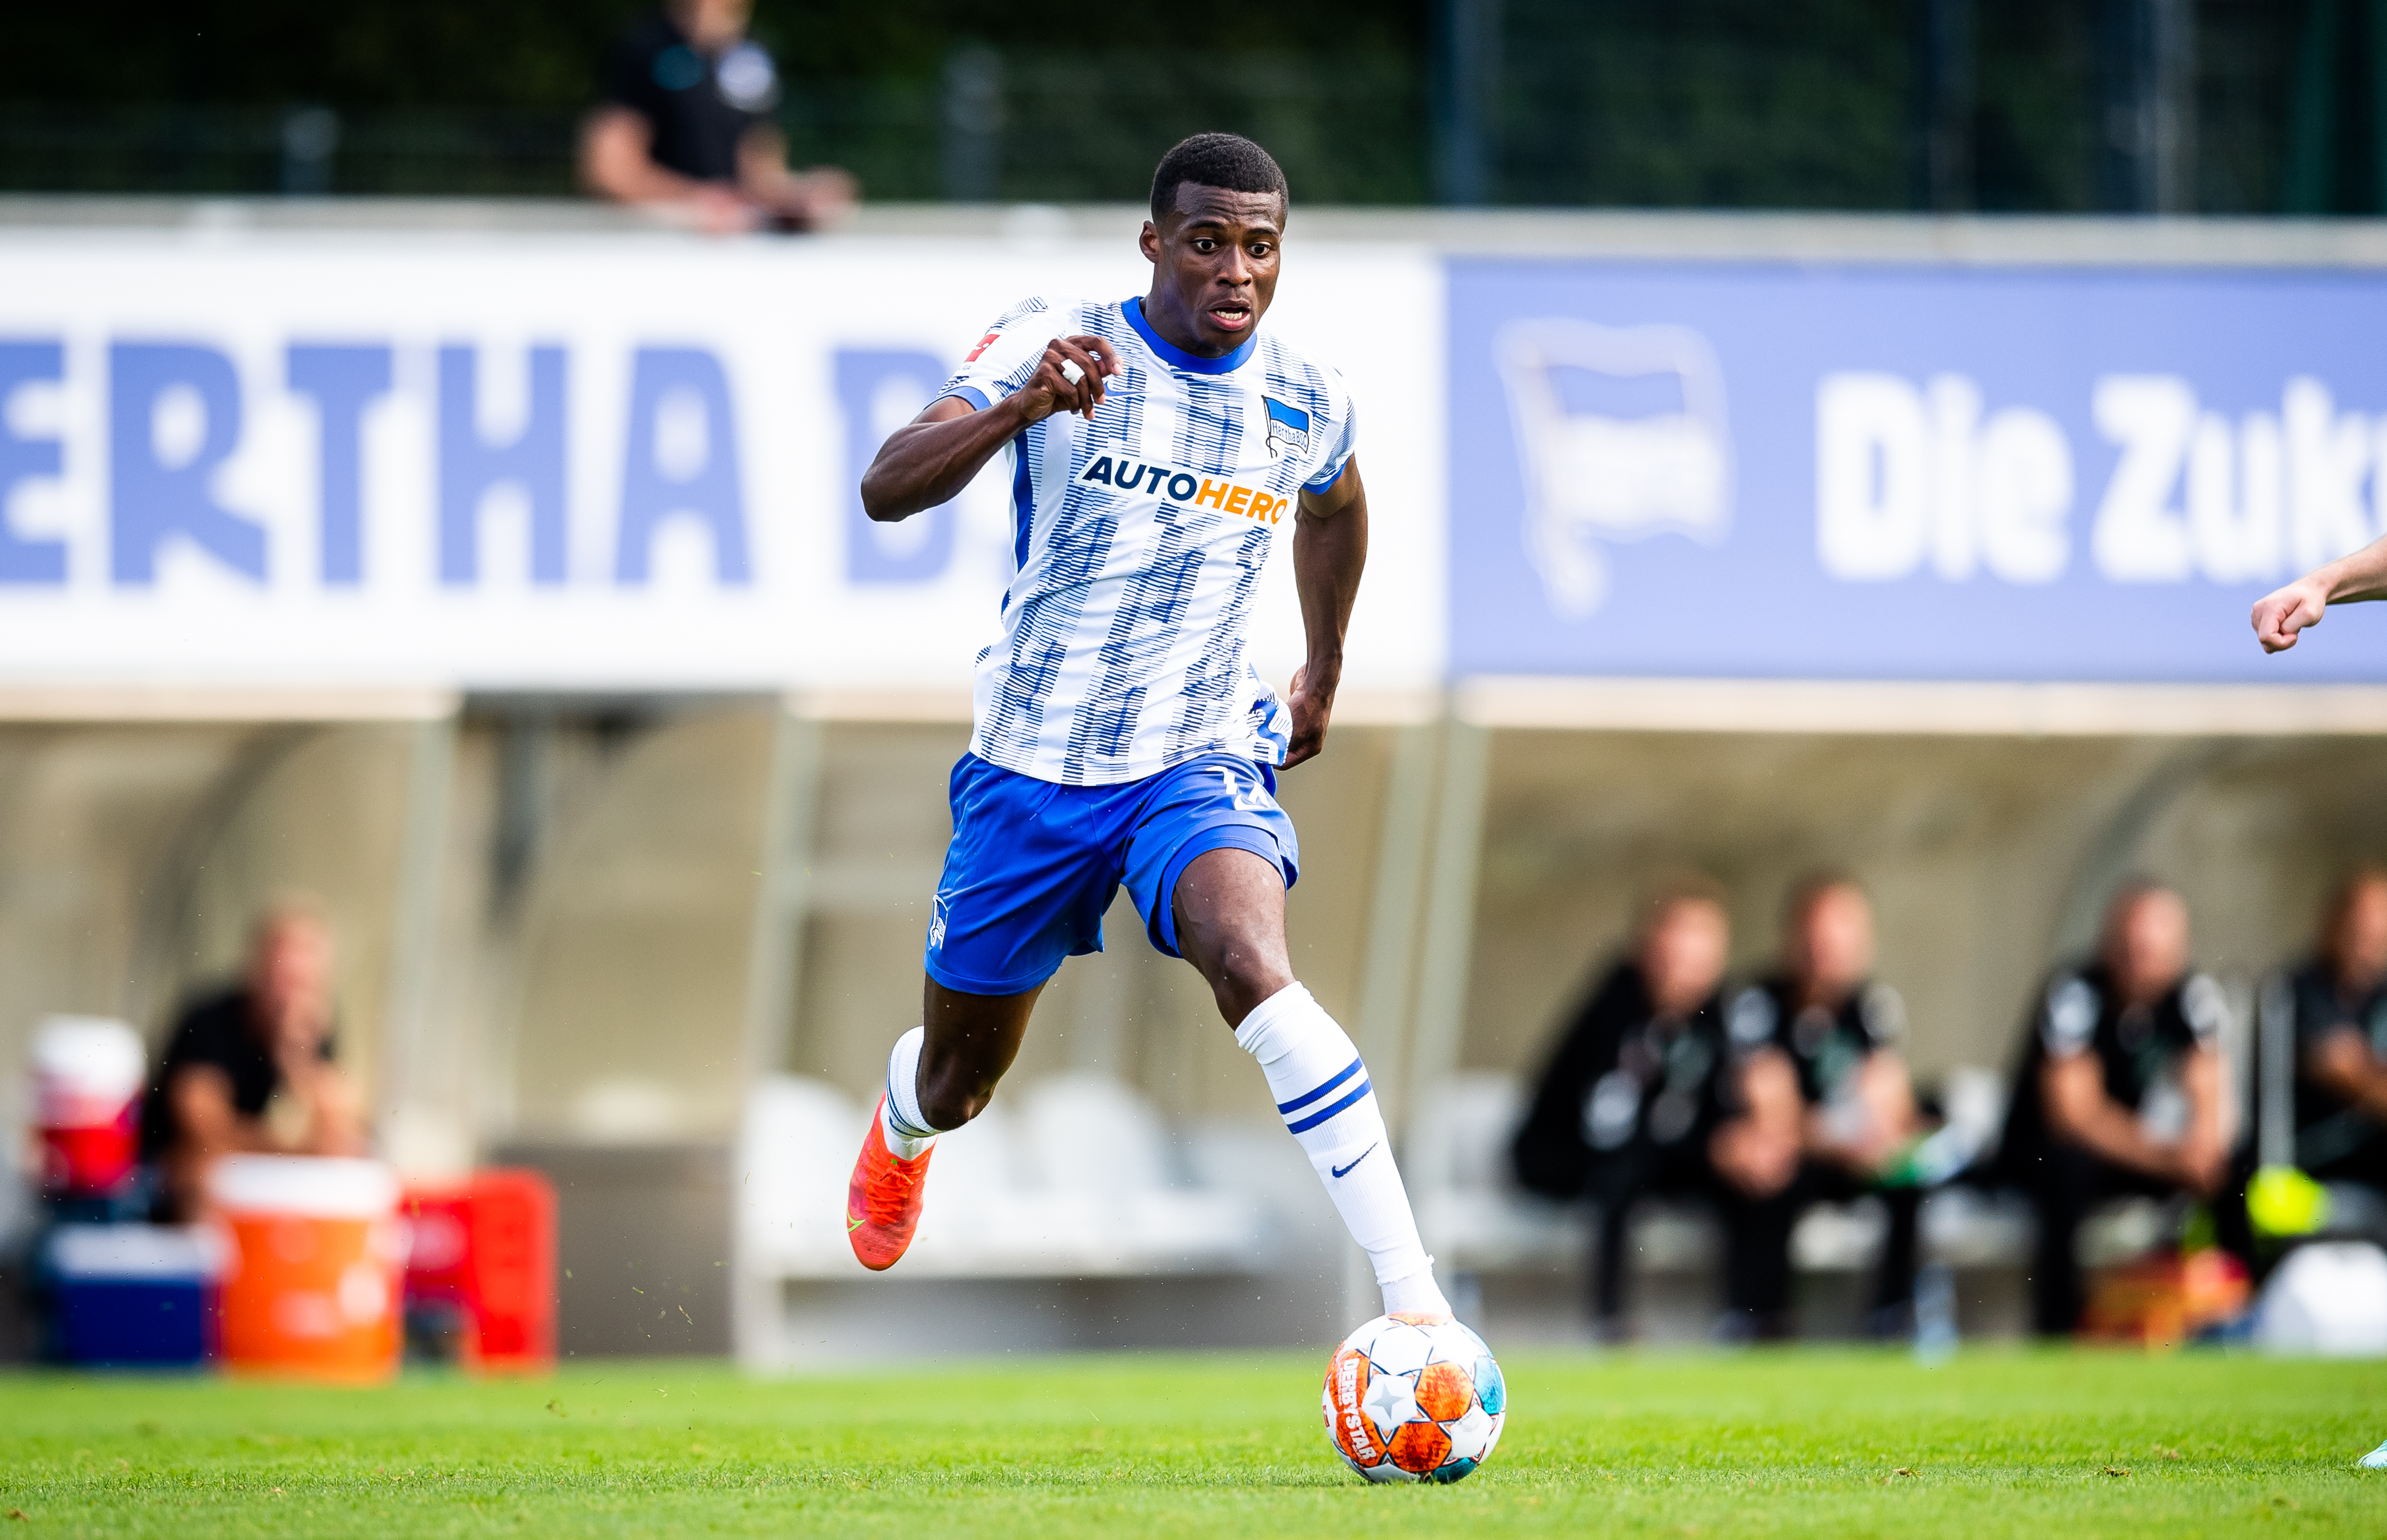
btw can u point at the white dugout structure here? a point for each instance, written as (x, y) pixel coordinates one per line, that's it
(495, 571)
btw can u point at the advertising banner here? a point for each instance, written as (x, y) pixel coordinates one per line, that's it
(1865, 471)
(575, 462)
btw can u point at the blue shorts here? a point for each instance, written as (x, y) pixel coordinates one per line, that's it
(1034, 865)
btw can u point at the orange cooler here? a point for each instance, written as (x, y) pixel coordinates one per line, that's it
(317, 1256)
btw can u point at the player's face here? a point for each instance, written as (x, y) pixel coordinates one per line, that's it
(1214, 266)
(711, 24)
(2361, 940)
(1681, 957)
(2149, 945)
(290, 978)
(1834, 944)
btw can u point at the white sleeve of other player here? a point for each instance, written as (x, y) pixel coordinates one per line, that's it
(1343, 437)
(2067, 1019)
(1006, 353)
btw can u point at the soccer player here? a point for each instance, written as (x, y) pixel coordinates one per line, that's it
(2339, 1005)
(1629, 1100)
(1158, 448)
(2119, 1090)
(1819, 1044)
(2280, 615)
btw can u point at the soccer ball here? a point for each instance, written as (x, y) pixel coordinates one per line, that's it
(1414, 1398)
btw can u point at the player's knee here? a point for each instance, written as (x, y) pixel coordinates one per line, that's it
(1243, 977)
(950, 1098)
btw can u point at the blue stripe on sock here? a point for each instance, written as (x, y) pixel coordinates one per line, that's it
(1308, 1097)
(1317, 1118)
(903, 1125)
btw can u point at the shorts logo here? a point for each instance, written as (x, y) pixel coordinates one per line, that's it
(937, 923)
(1288, 427)
(1248, 797)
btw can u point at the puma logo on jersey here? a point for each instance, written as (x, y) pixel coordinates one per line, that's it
(1185, 487)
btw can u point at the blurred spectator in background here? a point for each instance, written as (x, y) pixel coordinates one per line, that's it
(2120, 1087)
(249, 1068)
(2340, 999)
(686, 125)
(1829, 1108)
(1628, 1101)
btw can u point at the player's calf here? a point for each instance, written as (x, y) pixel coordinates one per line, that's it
(1322, 1093)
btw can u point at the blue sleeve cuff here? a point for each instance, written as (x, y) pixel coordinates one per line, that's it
(971, 394)
(1323, 482)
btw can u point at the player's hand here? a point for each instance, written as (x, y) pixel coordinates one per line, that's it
(718, 210)
(2203, 1164)
(1068, 377)
(1754, 1159)
(2279, 616)
(1312, 703)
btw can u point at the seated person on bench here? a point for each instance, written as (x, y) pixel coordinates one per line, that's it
(2120, 1091)
(2339, 1002)
(1627, 1104)
(1818, 1048)
(249, 1069)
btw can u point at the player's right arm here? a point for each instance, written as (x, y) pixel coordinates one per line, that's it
(2281, 616)
(931, 458)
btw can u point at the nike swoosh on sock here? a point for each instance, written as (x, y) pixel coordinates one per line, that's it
(1345, 1170)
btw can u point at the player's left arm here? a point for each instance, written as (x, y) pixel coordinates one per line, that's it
(1330, 547)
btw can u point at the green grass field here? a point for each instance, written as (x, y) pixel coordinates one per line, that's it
(1811, 1441)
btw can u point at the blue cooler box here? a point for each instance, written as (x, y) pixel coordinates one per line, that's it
(133, 1295)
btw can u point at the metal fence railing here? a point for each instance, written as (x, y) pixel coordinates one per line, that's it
(1831, 104)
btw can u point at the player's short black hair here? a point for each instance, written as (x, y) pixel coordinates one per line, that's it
(1225, 161)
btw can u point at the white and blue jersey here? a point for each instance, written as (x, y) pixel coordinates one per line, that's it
(1138, 536)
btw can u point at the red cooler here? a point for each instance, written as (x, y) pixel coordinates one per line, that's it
(87, 1079)
(484, 1249)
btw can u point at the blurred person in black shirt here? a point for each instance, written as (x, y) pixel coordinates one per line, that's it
(685, 123)
(1818, 1046)
(250, 1068)
(1628, 1102)
(2340, 1000)
(2120, 1087)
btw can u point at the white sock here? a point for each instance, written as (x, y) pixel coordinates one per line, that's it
(907, 1133)
(1323, 1091)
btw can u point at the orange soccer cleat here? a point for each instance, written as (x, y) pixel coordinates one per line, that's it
(882, 1200)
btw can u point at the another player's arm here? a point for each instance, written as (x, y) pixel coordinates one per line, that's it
(1887, 1093)
(1757, 1149)
(931, 458)
(1330, 547)
(2280, 615)
(201, 1095)
(2342, 1061)
(2078, 1109)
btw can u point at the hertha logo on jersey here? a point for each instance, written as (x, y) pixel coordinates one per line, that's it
(1288, 427)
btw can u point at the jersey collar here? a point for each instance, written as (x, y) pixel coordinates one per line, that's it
(1176, 356)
